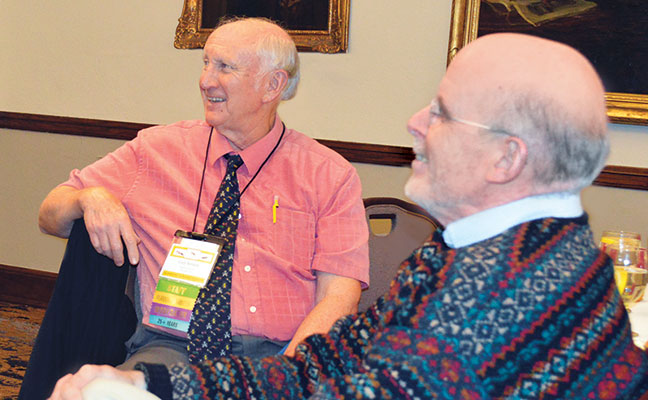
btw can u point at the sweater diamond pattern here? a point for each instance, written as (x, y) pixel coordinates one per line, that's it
(532, 313)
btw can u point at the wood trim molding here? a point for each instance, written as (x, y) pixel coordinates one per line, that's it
(26, 286)
(611, 176)
(71, 126)
(617, 176)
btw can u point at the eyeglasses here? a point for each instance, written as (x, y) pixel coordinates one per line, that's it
(438, 112)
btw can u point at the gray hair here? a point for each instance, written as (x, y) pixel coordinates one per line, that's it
(275, 51)
(565, 151)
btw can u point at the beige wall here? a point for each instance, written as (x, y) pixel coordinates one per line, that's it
(115, 60)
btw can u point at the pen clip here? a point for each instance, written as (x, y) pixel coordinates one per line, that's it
(275, 205)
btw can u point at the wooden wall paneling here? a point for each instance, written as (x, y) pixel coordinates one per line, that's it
(611, 176)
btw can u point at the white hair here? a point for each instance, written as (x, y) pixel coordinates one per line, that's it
(565, 150)
(276, 51)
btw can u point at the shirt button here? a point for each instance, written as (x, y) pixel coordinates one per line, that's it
(247, 268)
(252, 309)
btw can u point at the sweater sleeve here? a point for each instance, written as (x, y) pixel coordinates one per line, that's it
(338, 353)
(342, 364)
(157, 379)
(380, 353)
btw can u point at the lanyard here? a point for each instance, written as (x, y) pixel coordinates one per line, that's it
(202, 179)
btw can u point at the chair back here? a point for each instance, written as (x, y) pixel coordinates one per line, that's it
(396, 228)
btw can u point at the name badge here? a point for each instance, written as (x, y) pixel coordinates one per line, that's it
(186, 269)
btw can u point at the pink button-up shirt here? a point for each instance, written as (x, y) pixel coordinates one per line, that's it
(320, 222)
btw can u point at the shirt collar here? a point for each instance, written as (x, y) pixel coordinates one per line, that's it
(253, 155)
(491, 222)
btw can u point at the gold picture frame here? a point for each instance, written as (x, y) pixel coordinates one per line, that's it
(191, 35)
(623, 108)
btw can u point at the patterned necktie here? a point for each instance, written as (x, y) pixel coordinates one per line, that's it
(210, 326)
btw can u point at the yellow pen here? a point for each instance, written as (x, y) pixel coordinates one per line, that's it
(274, 209)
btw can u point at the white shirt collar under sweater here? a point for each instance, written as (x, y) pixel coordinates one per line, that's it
(491, 222)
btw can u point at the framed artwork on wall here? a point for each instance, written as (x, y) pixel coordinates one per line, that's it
(610, 33)
(315, 25)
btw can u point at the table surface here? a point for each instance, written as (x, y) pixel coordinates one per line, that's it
(639, 322)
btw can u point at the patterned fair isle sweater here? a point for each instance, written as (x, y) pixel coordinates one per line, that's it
(532, 313)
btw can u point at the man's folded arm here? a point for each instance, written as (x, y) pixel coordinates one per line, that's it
(59, 210)
(106, 219)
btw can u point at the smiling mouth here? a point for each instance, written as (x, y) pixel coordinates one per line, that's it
(419, 151)
(215, 99)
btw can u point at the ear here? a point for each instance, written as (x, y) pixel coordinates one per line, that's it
(510, 159)
(275, 83)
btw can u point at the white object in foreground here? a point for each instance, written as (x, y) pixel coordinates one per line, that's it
(109, 389)
(639, 322)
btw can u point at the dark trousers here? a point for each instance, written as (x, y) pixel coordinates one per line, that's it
(88, 319)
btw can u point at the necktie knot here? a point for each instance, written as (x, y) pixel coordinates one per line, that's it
(234, 161)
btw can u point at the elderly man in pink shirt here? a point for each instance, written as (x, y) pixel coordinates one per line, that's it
(300, 256)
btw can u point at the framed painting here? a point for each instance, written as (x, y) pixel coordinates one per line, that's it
(315, 25)
(610, 33)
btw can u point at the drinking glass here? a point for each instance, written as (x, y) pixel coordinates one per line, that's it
(622, 241)
(631, 282)
(630, 279)
(642, 259)
(624, 248)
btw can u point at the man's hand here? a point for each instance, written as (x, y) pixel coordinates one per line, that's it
(70, 386)
(108, 222)
(106, 219)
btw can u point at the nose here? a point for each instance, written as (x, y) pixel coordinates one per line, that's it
(208, 78)
(419, 122)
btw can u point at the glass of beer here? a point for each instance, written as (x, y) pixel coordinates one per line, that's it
(624, 248)
(620, 245)
(631, 282)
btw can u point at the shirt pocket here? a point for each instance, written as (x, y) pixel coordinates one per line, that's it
(285, 238)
